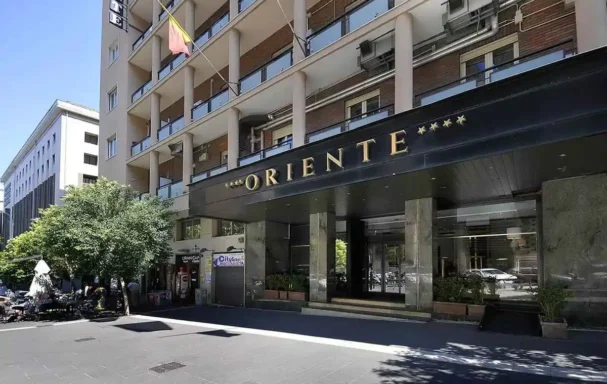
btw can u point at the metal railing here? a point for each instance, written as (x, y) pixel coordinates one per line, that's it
(170, 191)
(212, 30)
(169, 6)
(347, 23)
(209, 173)
(265, 153)
(499, 72)
(170, 128)
(351, 123)
(141, 146)
(267, 71)
(164, 71)
(209, 105)
(141, 91)
(140, 39)
(244, 4)
(141, 196)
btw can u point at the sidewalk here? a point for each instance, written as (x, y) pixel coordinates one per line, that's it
(583, 350)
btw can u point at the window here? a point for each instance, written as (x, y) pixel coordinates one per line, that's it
(91, 139)
(47, 167)
(54, 138)
(113, 53)
(43, 150)
(90, 159)
(476, 62)
(224, 157)
(363, 104)
(190, 229)
(282, 135)
(42, 171)
(48, 144)
(112, 99)
(53, 159)
(229, 228)
(88, 179)
(38, 155)
(111, 147)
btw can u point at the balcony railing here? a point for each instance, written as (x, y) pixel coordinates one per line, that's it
(142, 196)
(496, 73)
(352, 123)
(244, 4)
(209, 105)
(209, 173)
(170, 191)
(347, 23)
(170, 66)
(212, 30)
(140, 39)
(267, 71)
(170, 128)
(169, 6)
(141, 146)
(141, 91)
(265, 153)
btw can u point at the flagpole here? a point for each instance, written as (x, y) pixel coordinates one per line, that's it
(197, 47)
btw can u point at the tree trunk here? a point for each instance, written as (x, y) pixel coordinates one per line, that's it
(125, 298)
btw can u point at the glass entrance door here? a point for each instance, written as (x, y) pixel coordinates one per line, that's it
(385, 267)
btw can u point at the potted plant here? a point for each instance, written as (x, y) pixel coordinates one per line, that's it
(476, 310)
(297, 287)
(271, 291)
(449, 293)
(551, 299)
(282, 286)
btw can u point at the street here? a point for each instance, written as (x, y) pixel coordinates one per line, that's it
(248, 346)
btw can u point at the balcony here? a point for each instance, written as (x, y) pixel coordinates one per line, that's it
(352, 123)
(169, 6)
(209, 173)
(265, 153)
(141, 38)
(347, 23)
(170, 191)
(496, 73)
(267, 71)
(213, 30)
(244, 4)
(208, 106)
(170, 66)
(170, 128)
(141, 91)
(141, 146)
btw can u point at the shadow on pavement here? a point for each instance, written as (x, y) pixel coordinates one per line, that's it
(151, 326)
(583, 350)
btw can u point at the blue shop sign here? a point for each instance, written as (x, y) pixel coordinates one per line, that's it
(228, 260)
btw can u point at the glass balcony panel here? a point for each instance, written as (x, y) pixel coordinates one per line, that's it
(278, 149)
(177, 125)
(251, 81)
(163, 72)
(220, 24)
(250, 159)
(368, 119)
(219, 100)
(276, 67)
(218, 170)
(324, 134)
(527, 65)
(146, 143)
(244, 4)
(164, 132)
(326, 37)
(200, 176)
(202, 39)
(366, 13)
(446, 93)
(136, 149)
(200, 111)
(163, 192)
(142, 37)
(176, 189)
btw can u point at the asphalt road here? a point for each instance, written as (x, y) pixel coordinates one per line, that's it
(125, 350)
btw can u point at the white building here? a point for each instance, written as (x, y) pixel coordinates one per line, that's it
(61, 151)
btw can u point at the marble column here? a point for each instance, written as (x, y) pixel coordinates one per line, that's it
(300, 26)
(462, 250)
(419, 252)
(233, 131)
(188, 94)
(233, 9)
(403, 75)
(188, 159)
(190, 26)
(154, 177)
(255, 261)
(322, 256)
(155, 117)
(591, 24)
(156, 59)
(156, 9)
(299, 109)
(234, 62)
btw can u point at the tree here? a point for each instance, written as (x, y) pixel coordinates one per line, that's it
(340, 255)
(14, 271)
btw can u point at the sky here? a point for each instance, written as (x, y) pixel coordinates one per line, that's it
(49, 50)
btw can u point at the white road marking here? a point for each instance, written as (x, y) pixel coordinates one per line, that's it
(16, 329)
(71, 322)
(404, 351)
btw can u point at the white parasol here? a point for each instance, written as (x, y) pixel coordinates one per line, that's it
(41, 282)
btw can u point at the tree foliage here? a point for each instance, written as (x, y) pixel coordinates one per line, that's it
(13, 271)
(340, 255)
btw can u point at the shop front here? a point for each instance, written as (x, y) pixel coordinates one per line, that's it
(488, 182)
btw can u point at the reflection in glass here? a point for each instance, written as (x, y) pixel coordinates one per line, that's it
(324, 38)
(366, 13)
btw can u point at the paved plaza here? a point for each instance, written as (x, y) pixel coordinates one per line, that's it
(228, 345)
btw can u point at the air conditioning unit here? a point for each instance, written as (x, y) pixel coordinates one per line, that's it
(463, 13)
(176, 149)
(376, 53)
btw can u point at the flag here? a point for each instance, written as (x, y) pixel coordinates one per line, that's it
(178, 39)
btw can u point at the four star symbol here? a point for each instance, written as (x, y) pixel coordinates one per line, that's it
(434, 126)
(421, 130)
(461, 119)
(447, 123)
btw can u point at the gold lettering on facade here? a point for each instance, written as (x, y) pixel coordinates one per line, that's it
(289, 172)
(336, 161)
(252, 182)
(394, 142)
(365, 145)
(308, 167)
(271, 177)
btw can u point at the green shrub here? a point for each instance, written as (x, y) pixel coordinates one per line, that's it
(449, 289)
(272, 282)
(298, 283)
(477, 287)
(491, 284)
(552, 299)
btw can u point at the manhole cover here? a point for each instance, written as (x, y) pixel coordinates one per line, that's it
(167, 367)
(85, 339)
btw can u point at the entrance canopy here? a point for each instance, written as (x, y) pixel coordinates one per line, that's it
(496, 142)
